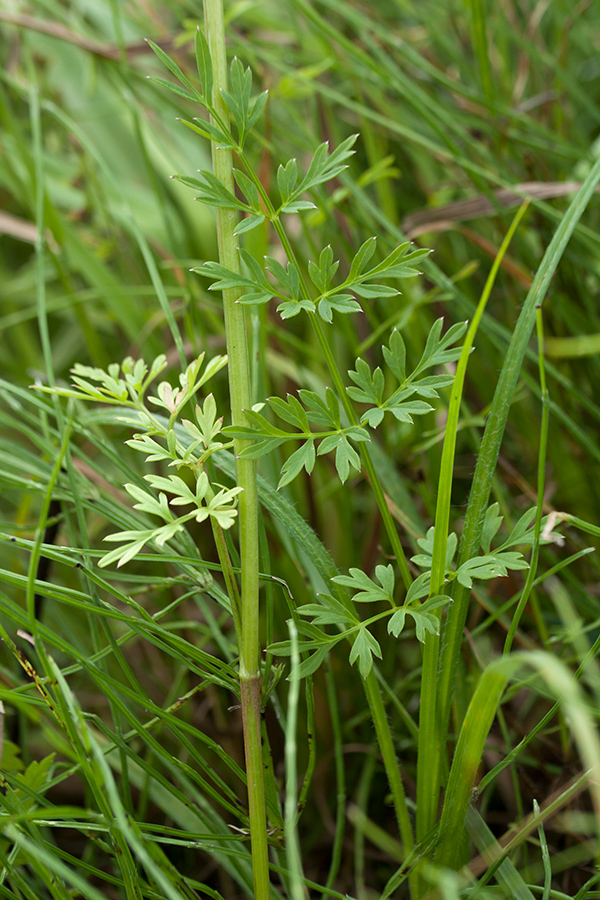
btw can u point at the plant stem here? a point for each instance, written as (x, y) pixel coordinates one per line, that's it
(240, 399)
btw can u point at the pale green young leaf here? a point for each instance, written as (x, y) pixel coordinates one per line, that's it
(169, 398)
(148, 503)
(110, 383)
(92, 394)
(213, 366)
(166, 532)
(202, 487)
(148, 445)
(223, 515)
(158, 365)
(134, 372)
(183, 496)
(209, 426)
(134, 541)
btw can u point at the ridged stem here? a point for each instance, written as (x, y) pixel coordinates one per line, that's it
(240, 399)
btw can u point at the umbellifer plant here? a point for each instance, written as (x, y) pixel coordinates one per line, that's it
(341, 421)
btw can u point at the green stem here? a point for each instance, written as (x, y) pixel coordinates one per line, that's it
(240, 399)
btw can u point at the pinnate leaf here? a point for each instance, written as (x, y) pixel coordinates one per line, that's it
(204, 64)
(365, 590)
(364, 648)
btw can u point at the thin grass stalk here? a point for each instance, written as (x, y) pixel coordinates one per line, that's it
(430, 739)
(341, 797)
(480, 42)
(36, 129)
(240, 399)
(492, 439)
(36, 552)
(292, 845)
(541, 483)
(505, 873)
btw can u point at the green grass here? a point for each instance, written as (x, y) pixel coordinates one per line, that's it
(396, 761)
